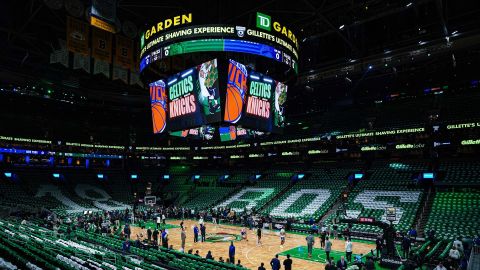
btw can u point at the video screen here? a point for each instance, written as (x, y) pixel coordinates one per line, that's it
(232, 133)
(228, 133)
(205, 133)
(236, 91)
(254, 100)
(158, 101)
(188, 102)
(279, 101)
(193, 97)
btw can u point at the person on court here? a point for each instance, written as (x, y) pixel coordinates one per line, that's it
(155, 237)
(231, 252)
(214, 218)
(203, 232)
(244, 234)
(378, 245)
(288, 263)
(149, 235)
(165, 238)
(259, 235)
(158, 222)
(348, 250)
(183, 236)
(275, 263)
(328, 248)
(310, 241)
(195, 234)
(323, 236)
(282, 237)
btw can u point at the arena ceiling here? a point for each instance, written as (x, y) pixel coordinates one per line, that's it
(334, 34)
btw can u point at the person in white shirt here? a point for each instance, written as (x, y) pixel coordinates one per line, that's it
(348, 250)
(454, 254)
(282, 237)
(440, 267)
(158, 222)
(164, 218)
(458, 244)
(200, 221)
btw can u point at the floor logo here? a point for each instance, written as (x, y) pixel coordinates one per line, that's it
(223, 237)
(263, 21)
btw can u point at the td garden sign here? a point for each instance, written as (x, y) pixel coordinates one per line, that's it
(270, 37)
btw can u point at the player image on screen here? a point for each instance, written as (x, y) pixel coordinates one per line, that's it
(236, 91)
(279, 102)
(209, 96)
(158, 100)
(206, 132)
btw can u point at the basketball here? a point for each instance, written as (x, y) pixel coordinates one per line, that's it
(158, 117)
(233, 105)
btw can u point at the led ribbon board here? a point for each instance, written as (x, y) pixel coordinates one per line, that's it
(218, 31)
(218, 45)
(179, 35)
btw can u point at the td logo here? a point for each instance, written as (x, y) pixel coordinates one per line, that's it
(263, 21)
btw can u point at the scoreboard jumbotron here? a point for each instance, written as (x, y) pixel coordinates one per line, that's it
(222, 89)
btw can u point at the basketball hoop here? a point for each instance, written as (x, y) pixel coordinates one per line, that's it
(150, 200)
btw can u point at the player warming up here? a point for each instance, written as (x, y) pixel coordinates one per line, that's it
(282, 237)
(244, 234)
(259, 236)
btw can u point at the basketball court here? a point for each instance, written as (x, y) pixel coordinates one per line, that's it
(251, 255)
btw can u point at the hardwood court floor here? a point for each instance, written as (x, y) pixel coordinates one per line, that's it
(248, 252)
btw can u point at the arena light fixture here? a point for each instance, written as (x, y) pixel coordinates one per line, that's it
(358, 175)
(172, 81)
(56, 175)
(267, 80)
(8, 174)
(166, 176)
(133, 176)
(428, 175)
(100, 176)
(341, 27)
(185, 74)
